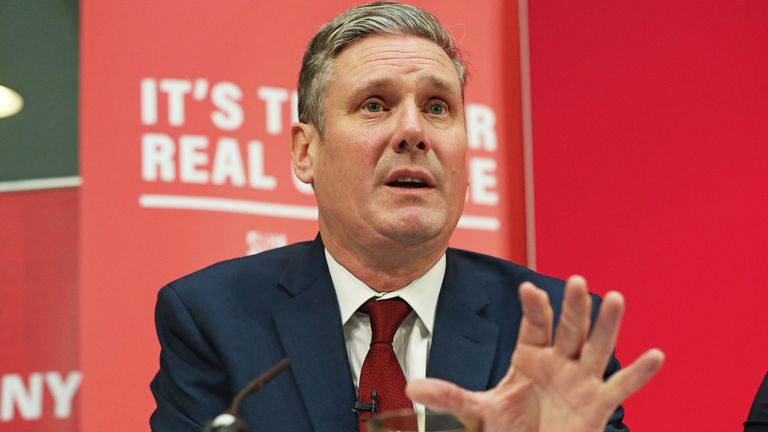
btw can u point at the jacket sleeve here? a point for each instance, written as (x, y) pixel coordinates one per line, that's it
(190, 387)
(757, 420)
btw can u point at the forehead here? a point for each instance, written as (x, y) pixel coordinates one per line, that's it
(383, 59)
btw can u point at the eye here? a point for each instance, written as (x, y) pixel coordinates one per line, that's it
(373, 107)
(436, 109)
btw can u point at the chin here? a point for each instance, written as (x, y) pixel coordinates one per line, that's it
(412, 232)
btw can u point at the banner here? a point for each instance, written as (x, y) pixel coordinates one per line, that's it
(185, 130)
(39, 370)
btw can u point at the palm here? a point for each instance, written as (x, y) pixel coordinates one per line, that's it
(551, 385)
(561, 393)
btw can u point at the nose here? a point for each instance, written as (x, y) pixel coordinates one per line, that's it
(410, 136)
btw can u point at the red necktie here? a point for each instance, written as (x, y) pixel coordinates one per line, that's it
(381, 371)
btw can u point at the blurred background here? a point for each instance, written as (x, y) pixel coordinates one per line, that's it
(624, 141)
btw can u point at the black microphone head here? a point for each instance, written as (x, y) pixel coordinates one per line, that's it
(226, 423)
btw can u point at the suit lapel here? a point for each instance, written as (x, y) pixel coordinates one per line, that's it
(464, 343)
(309, 325)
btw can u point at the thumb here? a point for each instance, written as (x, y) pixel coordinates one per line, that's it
(443, 396)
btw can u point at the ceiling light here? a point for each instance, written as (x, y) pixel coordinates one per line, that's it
(10, 102)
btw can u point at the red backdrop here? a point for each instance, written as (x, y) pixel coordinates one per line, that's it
(650, 132)
(649, 140)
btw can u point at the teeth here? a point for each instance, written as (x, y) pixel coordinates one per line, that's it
(409, 180)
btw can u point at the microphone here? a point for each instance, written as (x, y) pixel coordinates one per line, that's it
(361, 407)
(229, 420)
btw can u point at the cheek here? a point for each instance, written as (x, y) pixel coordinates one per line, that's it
(355, 144)
(360, 159)
(346, 170)
(456, 173)
(457, 162)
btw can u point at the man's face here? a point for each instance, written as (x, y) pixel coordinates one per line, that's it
(392, 162)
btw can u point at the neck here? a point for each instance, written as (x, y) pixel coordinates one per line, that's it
(384, 265)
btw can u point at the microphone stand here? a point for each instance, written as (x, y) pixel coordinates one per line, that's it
(230, 420)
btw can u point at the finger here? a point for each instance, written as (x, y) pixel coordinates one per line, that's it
(536, 325)
(443, 396)
(573, 325)
(599, 348)
(631, 378)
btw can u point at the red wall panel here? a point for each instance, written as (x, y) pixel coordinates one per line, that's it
(649, 131)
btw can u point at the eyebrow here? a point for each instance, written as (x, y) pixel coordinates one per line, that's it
(439, 83)
(378, 83)
(381, 83)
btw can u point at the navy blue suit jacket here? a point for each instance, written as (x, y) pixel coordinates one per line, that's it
(224, 325)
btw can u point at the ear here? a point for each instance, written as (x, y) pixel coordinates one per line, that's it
(304, 145)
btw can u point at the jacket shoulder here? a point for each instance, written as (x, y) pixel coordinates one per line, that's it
(238, 274)
(500, 270)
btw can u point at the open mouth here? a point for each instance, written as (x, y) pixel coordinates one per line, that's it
(408, 183)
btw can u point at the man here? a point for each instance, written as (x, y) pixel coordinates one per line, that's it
(382, 139)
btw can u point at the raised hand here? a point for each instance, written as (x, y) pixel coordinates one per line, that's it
(551, 386)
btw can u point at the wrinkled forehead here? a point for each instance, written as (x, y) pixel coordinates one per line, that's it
(380, 61)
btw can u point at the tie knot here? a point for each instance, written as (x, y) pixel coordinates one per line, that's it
(386, 316)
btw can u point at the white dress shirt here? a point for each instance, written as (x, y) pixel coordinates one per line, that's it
(413, 338)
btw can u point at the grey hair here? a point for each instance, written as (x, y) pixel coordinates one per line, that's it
(352, 26)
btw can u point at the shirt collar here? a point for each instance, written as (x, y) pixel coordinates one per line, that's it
(421, 294)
